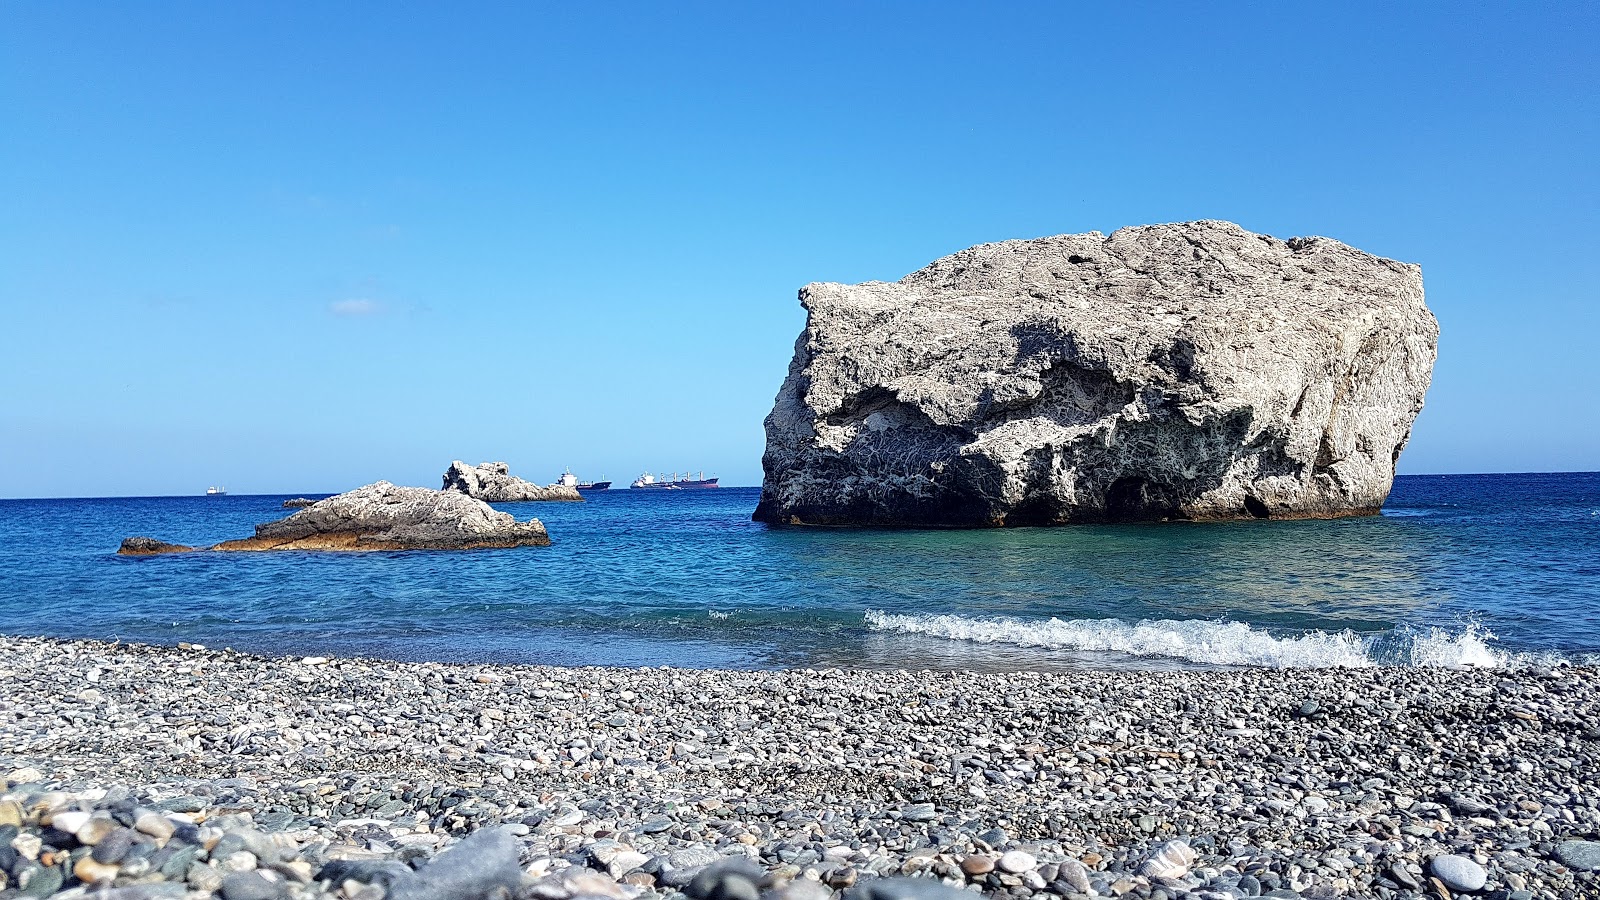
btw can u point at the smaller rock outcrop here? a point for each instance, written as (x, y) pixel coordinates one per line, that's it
(143, 546)
(298, 503)
(380, 516)
(492, 482)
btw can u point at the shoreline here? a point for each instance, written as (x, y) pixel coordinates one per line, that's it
(1310, 782)
(994, 644)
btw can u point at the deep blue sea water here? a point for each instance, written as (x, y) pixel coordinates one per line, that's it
(1459, 570)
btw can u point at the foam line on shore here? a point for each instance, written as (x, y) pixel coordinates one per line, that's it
(1215, 643)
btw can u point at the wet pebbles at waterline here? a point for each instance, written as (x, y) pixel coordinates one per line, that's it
(139, 772)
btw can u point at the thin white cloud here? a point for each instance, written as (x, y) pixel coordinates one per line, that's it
(356, 307)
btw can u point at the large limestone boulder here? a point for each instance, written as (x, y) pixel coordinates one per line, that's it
(380, 516)
(492, 482)
(1188, 371)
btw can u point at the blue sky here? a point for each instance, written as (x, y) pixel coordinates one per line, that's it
(299, 247)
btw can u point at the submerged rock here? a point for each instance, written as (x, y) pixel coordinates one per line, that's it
(1188, 371)
(380, 516)
(492, 482)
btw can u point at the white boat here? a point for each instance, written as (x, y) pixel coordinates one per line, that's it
(216, 491)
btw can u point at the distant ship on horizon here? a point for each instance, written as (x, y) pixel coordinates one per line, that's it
(648, 481)
(568, 479)
(216, 491)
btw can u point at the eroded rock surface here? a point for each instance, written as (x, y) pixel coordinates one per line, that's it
(492, 482)
(380, 516)
(1186, 371)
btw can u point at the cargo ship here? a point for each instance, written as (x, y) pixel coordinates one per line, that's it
(675, 483)
(568, 479)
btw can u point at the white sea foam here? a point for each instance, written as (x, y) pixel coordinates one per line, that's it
(1214, 643)
(1466, 649)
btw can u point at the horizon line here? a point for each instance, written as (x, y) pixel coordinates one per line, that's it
(730, 487)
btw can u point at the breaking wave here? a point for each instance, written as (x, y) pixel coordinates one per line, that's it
(1213, 643)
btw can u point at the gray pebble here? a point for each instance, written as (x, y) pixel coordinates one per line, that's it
(730, 879)
(185, 804)
(251, 886)
(1581, 855)
(481, 864)
(1076, 876)
(114, 846)
(178, 863)
(692, 858)
(1401, 875)
(906, 889)
(43, 883)
(161, 890)
(1459, 873)
(1017, 861)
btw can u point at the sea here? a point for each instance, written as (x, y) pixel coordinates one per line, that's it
(1457, 571)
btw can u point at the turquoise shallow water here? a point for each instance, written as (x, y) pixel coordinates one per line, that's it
(1459, 570)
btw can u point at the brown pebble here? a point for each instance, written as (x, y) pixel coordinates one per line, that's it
(95, 830)
(89, 871)
(641, 879)
(154, 825)
(977, 864)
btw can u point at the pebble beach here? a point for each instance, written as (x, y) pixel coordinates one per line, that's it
(137, 771)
